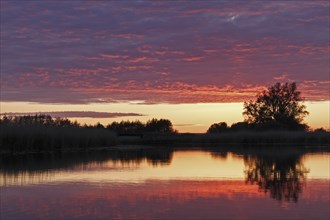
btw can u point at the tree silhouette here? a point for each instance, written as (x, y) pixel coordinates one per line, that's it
(126, 127)
(137, 127)
(240, 126)
(277, 107)
(159, 126)
(218, 128)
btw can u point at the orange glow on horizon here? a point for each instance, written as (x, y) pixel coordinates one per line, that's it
(195, 118)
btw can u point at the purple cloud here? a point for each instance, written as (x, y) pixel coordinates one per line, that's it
(172, 52)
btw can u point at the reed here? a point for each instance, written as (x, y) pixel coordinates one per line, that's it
(38, 138)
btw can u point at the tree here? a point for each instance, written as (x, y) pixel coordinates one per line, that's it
(159, 126)
(127, 127)
(218, 128)
(240, 126)
(98, 125)
(277, 107)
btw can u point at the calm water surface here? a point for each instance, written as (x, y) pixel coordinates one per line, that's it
(165, 183)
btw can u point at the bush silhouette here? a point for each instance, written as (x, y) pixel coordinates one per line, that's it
(127, 127)
(218, 128)
(159, 126)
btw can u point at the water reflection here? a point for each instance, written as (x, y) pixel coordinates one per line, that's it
(282, 176)
(39, 168)
(150, 183)
(279, 174)
(63, 161)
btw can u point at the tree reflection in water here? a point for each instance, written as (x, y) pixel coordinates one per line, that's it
(65, 161)
(282, 176)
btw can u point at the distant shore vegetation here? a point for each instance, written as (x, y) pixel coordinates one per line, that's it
(275, 117)
(44, 133)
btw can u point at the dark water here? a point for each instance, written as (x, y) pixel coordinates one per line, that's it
(166, 183)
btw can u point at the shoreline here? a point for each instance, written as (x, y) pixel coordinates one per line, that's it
(65, 141)
(284, 147)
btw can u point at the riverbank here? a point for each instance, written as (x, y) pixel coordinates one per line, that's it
(240, 137)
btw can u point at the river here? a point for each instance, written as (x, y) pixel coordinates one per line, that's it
(167, 183)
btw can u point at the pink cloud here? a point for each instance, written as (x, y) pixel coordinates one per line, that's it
(113, 56)
(167, 52)
(128, 36)
(281, 77)
(143, 59)
(76, 114)
(162, 52)
(137, 60)
(191, 59)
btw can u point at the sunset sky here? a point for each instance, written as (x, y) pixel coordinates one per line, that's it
(193, 62)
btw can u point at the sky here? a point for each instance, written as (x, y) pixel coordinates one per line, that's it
(193, 62)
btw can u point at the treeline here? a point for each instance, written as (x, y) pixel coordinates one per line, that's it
(266, 126)
(121, 128)
(160, 126)
(38, 120)
(42, 133)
